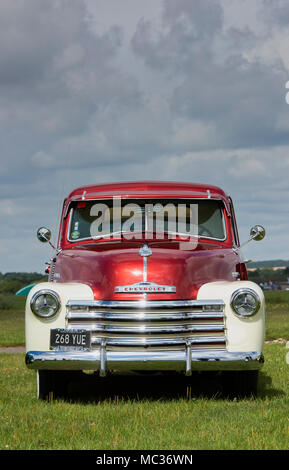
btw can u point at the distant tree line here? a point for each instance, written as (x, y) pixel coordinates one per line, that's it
(267, 275)
(10, 283)
(273, 263)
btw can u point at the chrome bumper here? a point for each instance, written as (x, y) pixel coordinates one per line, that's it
(105, 361)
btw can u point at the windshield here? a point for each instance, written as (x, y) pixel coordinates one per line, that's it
(130, 218)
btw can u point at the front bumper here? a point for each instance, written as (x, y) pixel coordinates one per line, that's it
(105, 361)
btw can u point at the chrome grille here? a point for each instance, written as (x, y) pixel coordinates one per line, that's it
(150, 324)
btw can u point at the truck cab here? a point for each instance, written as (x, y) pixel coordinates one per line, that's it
(146, 276)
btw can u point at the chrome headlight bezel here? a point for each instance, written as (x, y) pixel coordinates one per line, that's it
(55, 298)
(245, 291)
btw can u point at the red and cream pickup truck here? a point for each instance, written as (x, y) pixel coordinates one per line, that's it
(146, 276)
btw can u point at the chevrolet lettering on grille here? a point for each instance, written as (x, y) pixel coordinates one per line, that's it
(144, 288)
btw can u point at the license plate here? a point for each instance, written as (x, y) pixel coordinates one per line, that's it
(70, 339)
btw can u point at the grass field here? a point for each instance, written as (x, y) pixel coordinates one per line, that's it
(12, 322)
(145, 418)
(142, 414)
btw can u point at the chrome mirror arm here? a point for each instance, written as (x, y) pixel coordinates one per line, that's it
(248, 241)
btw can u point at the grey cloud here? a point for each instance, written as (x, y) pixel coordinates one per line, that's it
(187, 29)
(198, 19)
(242, 99)
(32, 33)
(275, 12)
(56, 75)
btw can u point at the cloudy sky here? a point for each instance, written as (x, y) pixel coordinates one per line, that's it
(95, 91)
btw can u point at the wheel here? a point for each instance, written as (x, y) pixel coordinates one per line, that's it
(241, 384)
(51, 384)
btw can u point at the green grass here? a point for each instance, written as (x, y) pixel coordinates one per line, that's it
(277, 298)
(277, 314)
(12, 321)
(277, 325)
(151, 420)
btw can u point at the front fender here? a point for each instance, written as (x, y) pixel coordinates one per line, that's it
(243, 334)
(37, 330)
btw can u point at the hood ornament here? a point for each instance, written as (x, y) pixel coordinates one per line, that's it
(145, 287)
(145, 252)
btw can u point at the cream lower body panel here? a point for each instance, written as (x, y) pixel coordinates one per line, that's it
(240, 340)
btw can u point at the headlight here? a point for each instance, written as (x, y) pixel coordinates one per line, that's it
(245, 302)
(45, 303)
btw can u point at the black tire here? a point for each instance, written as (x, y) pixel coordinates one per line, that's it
(241, 384)
(52, 384)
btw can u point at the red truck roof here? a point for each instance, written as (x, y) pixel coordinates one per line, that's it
(141, 189)
(144, 187)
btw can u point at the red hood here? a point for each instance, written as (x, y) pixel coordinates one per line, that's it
(104, 266)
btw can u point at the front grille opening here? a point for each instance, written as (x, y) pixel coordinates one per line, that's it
(158, 325)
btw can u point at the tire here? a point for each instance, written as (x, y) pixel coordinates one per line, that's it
(241, 384)
(52, 384)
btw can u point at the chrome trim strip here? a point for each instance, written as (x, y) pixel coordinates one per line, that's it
(145, 304)
(145, 360)
(188, 358)
(143, 342)
(145, 251)
(102, 370)
(139, 317)
(148, 329)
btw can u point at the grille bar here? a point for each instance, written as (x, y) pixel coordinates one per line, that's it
(143, 304)
(148, 329)
(203, 340)
(141, 317)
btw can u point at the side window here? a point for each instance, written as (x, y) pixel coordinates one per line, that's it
(234, 225)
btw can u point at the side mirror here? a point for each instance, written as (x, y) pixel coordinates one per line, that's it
(44, 234)
(257, 232)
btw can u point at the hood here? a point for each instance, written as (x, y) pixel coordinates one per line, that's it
(103, 266)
